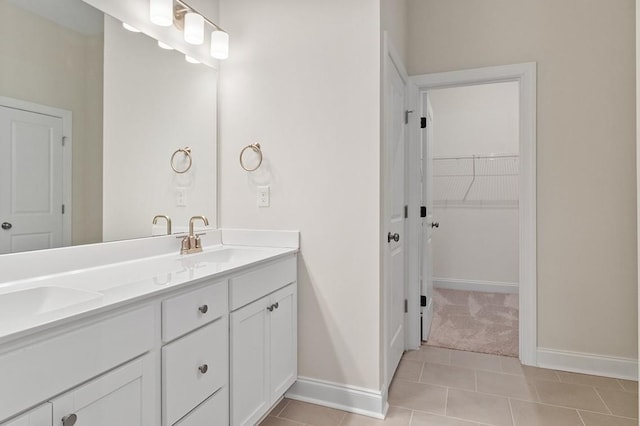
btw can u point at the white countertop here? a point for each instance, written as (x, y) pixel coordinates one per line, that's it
(39, 302)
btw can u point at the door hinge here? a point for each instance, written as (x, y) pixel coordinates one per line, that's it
(64, 140)
(406, 306)
(423, 301)
(406, 115)
(423, 122)
(406, 211)
(63, 209)
(423, 211)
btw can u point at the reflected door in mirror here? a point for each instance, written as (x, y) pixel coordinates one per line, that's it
(30, 180)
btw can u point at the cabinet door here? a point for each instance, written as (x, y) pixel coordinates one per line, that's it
(115, 398)
(283, 345)
(40, 416)
(250, 396)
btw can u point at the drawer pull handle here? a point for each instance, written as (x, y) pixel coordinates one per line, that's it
(276, 305)
(69, 420)
(270, 308)
(203, 368)
(204, 309)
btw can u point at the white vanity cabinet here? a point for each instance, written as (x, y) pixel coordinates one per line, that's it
(263, 339)
(116, 398)
(44, 367)
(40, 416)
(195, 362)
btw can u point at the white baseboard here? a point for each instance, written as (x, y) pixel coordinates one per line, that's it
(597, 365)
(356, 400)
(473, 285)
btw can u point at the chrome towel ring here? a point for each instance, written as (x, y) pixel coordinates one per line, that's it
(255, 147)
(187, 152)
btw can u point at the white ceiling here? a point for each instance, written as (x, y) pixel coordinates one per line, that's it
(73, 14)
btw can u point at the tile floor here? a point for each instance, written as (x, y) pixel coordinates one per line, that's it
(435, 386)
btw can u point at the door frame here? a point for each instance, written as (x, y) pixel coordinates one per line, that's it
(390, 57)
(525, 75)
(67, 154)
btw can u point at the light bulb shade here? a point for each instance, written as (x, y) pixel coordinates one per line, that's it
(191, 60)
(161, 12)
(219, 44)
(164, 46)
(193, 28)
(130, 28)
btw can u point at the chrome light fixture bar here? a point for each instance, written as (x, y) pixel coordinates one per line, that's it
(192, 23)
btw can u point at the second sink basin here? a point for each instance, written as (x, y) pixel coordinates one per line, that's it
(40, 300)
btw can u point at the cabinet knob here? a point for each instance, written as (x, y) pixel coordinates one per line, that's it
(203, 368)
(69, 420)
(204, 309)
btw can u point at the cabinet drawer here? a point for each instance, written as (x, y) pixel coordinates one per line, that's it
(213, 412)
(186, 312)
(253, 285)
(36, 372)
(185, 381)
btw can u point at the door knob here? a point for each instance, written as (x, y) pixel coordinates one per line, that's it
(395, 237)
(435, 224)
(69, 420)
(6, 225)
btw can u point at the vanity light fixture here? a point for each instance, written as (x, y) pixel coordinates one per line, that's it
(164, 46)
(219, 44)
(193, 28)
(130, 28)
(161, 12)
(191, 60)
(188, 20)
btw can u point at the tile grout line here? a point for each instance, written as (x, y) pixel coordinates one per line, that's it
(283, 408)
(602, 399)
(581, 419)
(411, 417)
(513, 417)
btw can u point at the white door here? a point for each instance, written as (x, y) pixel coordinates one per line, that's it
(428, 224)
(283, 324)
(394, 199)
(250, 363)
(30, 181)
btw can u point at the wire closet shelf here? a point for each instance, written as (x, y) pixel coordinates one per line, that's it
(476, 181)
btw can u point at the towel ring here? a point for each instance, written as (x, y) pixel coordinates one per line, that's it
(187, 152)
(256, 148)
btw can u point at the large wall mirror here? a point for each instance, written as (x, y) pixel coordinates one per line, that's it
(90, 117)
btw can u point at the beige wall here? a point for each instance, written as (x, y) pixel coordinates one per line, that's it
(587, 276)
(47, 64)
(305, 85)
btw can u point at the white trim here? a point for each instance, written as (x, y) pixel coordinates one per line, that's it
(353, 399)
(585, 363)
(525, 74)
(67, 154)
(475, 285)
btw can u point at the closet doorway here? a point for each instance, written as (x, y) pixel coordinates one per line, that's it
(474, 203)
(478, 187)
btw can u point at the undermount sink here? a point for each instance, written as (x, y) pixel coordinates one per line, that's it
(40, 300)
(232, 254)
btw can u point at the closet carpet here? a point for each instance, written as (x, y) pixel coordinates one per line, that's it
(475, 321)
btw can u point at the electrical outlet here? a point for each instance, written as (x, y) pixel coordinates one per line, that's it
(263, 196)
(181, 197)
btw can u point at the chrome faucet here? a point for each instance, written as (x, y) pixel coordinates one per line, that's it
(191, 243)
(167, 218)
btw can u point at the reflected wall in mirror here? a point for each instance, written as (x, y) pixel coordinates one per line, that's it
(131, 106)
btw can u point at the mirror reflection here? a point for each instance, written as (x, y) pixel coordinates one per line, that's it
(90, 117)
